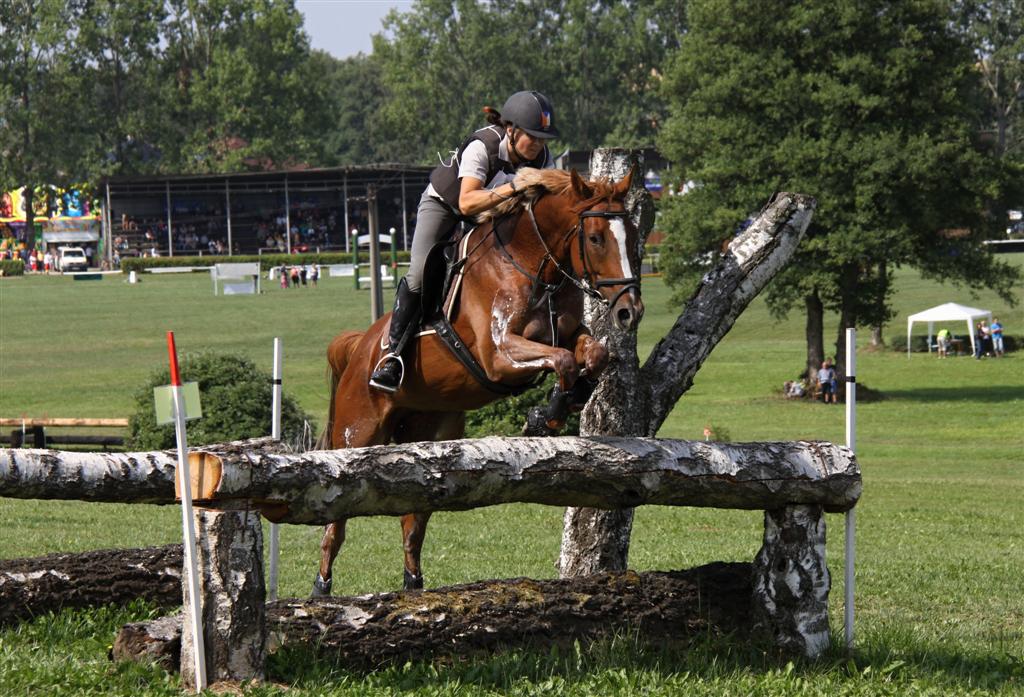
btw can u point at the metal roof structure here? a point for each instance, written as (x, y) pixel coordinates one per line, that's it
(313, 179)
(356, 183)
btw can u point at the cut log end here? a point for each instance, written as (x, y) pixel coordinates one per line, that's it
(205, 472)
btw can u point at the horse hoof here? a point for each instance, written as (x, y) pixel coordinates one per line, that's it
(321, 588)
(536, 423)
(412, 581)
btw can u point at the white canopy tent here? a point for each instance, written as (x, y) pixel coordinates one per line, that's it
(949, 312)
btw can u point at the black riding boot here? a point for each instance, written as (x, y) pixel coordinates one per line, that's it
(387, 376)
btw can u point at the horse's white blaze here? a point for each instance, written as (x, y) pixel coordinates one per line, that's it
(619, 230)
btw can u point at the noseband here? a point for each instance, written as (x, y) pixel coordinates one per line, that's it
(593, 286)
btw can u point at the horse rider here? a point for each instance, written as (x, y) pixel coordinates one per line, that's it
(478, 178)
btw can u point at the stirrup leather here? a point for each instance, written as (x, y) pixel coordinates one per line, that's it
(401, 374)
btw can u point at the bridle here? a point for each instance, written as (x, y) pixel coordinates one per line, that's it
(588, 284)
(628, 284)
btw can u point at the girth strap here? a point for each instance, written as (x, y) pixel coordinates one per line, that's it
(451, 339)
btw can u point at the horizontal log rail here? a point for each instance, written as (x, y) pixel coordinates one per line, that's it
(64, 423)
(317, 487)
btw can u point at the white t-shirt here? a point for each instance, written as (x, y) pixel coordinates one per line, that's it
(473, 163)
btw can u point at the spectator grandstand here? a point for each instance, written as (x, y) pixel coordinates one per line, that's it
(253, 212)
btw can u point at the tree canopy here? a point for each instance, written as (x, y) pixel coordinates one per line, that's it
(870, 107)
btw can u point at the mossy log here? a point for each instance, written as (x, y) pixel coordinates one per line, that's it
(35, 586)
(479, 618)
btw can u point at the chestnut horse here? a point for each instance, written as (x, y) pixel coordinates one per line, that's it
(518, 310)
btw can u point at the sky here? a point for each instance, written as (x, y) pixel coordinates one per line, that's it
(343, 27)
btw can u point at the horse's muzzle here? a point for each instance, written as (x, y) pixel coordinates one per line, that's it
(628, 311)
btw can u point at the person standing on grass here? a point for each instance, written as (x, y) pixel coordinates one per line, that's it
(943, 341)
(826, 379)
(996, 331)
(979, 339)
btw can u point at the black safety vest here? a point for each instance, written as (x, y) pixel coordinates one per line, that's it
(445, 178)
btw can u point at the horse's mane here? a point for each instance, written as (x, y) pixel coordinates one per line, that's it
(536, 182)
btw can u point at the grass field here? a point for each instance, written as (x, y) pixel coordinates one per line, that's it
(940, 606)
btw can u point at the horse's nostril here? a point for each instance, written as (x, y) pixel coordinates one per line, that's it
(624, 317)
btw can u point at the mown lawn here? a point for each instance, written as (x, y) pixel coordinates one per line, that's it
(940, 546)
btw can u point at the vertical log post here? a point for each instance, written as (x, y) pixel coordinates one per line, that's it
(595, 540)
(791, 581)
(230, 561)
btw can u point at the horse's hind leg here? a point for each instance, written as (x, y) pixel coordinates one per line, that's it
(371, 428)
(418, 427)
(414, 529)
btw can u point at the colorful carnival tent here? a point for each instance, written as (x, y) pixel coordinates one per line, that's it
(68, 222)
(948, 312)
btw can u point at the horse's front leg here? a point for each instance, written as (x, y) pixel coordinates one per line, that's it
(590, 354)
(517, 357)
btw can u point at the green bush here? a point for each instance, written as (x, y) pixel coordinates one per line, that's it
(506, 417)
(236, 401)
(266, 261)
(12, 267)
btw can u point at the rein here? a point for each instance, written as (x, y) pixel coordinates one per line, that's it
(590, 283)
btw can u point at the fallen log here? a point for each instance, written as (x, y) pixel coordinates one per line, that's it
(372, 630)
(140, 477)
(35, 586)
(321, 486)
(318, 487)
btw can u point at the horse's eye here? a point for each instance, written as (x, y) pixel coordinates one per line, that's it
(595, 239)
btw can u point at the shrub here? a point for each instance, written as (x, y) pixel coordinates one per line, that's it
(12, 267)
(507, 416)
(236, 401)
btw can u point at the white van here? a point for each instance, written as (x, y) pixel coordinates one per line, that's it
(72, 259)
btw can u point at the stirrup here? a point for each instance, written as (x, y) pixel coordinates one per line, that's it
(401, 375)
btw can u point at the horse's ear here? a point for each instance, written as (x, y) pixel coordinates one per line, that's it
(582, 189)
(623, 185)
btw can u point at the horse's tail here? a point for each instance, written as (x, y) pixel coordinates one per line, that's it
(339, 352)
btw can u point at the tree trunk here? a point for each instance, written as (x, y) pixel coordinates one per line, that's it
(752, 260)
(367, 631)
(31, 587)
(815, 334)
(596, 540)
(880, 307)
(791, 580)
(233, 598)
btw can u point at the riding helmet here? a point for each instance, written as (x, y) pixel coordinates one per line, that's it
(532, 112)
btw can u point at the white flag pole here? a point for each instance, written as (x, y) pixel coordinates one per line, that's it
(851, 515)
(275, 426)
(187, 521)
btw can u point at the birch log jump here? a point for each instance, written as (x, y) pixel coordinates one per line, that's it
(599, 472)
(794, 482)
(320, 486)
